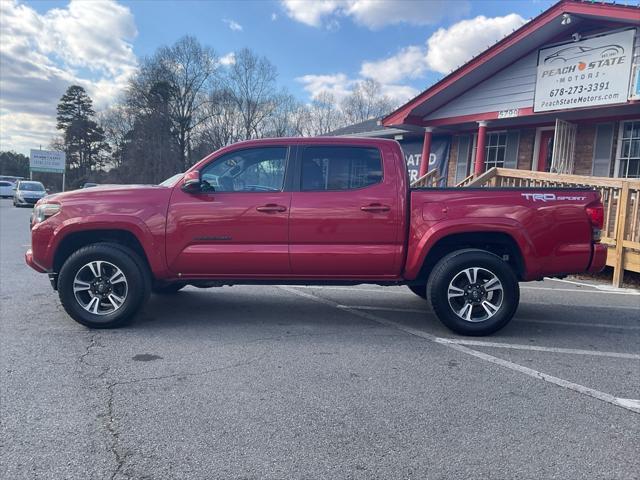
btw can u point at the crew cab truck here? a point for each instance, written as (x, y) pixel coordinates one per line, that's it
(311, 211)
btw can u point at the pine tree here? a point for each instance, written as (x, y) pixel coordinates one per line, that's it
(84, 140)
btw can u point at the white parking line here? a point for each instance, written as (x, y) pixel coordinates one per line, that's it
(523, 287)
(577, 290)
(546, 322)
(605, 288)
(628, 404)
(536, 348)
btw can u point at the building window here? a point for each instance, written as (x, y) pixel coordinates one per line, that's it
(496, 148)
(630, 150)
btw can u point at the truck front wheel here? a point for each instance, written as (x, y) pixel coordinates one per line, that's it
(103, 285)
(473, 292)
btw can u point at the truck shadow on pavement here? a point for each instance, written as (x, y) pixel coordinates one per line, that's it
(248, 307)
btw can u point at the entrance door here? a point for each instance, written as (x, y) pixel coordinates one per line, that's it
(545, 152)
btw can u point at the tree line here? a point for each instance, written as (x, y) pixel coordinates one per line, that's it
(183, 103)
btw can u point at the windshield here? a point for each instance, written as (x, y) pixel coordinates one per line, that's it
(31, 187)
(171, 181)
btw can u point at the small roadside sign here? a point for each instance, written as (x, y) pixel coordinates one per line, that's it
(47, 161)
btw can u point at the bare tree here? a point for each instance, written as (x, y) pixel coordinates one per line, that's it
(189, 71)
(251, 80)
(117, 123)
(322, 115)
(220, 125)
(284, 120)
(365, 101)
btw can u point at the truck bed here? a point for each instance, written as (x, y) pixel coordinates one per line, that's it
(549, 225)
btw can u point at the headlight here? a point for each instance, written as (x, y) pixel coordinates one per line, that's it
(44, 211)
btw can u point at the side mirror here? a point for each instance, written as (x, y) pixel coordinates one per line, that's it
(191, 182)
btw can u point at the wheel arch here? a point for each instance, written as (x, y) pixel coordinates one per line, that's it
(76, 240)
(499, 243)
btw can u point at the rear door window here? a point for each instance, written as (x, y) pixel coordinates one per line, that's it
(340, 168)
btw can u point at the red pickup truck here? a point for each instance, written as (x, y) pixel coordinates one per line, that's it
(312, 211)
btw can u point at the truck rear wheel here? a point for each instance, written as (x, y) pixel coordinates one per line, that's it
(473, 292)
(103, 285)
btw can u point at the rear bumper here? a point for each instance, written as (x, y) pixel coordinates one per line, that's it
(599, 258)
(28, 257)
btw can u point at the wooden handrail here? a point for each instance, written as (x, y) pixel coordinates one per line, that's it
(486, 176)
(429, 177)
(465, 181)
(565, 178)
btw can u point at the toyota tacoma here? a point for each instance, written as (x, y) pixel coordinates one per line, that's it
(312, 211)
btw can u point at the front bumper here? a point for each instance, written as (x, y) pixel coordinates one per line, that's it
(26, 201)
(599, 258)
(28, 257)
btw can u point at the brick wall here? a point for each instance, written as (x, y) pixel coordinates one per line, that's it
(453, 160)
(585, 139)
(525, 149)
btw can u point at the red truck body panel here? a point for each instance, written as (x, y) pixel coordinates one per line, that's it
(382, 232)
(553, 236)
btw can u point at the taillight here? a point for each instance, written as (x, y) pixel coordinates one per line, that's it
(595, 212)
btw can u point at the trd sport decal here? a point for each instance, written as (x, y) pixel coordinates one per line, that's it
(549, 197)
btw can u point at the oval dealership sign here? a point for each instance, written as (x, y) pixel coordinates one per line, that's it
(591, 72)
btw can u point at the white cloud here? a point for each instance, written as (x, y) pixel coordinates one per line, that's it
(339, 85)
(399, 94)
(274, 16)
(378, 13)
(449, 48)
(445, 50)
(233, 25)
(311, 13)
(41, 55)
(410, 62)
(373, 13)
(228, 59)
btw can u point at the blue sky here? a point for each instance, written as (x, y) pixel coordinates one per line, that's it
(322, 45)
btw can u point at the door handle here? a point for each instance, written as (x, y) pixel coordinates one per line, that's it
(375, 207)
(271, 208)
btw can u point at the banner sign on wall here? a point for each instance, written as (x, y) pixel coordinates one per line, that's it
(438, 158)
(47, 161)
(590, 72)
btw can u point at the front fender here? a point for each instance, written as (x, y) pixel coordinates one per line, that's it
(151, 242)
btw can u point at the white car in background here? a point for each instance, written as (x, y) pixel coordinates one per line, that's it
(27, 193)
(6, 189)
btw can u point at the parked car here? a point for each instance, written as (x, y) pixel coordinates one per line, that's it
(10, 178)
(27, 193)
(6, 189)
(89, 185)
(312, 211)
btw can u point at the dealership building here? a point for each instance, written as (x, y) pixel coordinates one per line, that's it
(560, 94)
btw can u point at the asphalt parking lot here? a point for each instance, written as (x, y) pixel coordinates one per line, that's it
(312, 383)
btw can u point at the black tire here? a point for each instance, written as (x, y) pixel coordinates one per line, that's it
(419, 290)
(168, 288)
(137, 277)
(451, 269)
